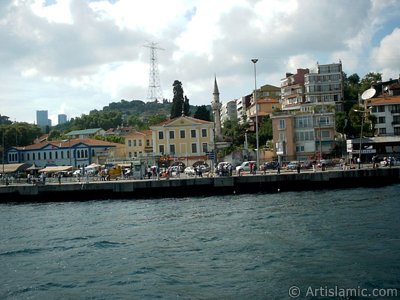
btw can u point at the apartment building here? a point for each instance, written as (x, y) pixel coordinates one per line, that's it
(229, 111)
(139, 144)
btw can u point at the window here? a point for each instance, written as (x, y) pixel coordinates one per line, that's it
(193, 133)
(38, 156)
(130, 154)
(325, 134)
(50, 155)
(134, 143)
(172, 149)
(160, 135)
(27, 156)
(282, 124)
(299, 148)
(204, 132)
(172, 135)
(161, 148)
(68, 153)
(56, 153)
(135, 154)
(147, 143)
(381, 120)
(194, 148)
(129, 143)
(182, 133)
(204, 147)
(381, 108)
(140, 143)
(44, 155)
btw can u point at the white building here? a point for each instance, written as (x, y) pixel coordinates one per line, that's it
(229, 111)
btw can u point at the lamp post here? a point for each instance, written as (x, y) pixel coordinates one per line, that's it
(255, 60)
(361, 132)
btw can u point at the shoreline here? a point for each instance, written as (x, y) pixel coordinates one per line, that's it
(201, 186)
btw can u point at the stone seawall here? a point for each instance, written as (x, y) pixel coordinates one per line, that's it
(141, 189)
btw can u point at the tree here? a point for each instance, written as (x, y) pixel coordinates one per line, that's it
(179, 101)
(369, 79)
(265, 131)
(202, 113)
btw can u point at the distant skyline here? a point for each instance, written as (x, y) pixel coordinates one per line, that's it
(73, 56)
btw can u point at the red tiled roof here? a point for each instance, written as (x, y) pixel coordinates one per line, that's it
(384, 100)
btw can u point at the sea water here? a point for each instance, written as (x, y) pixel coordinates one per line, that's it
(252, 246)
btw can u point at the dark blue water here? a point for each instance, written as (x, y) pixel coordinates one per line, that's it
(231, 247)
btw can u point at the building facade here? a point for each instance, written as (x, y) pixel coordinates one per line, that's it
(183, 138)
(42, 119)
(139, 144)
(62, 118)
(74, 152)
(228, 111)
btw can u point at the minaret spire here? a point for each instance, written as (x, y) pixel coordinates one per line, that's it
(216, 107)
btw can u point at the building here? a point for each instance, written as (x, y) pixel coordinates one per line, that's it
(266, 106)
(42, 119)
(293, 90)
(228, 111)
(324, 84)
(62, 118)
(74, 152)
(139, 144)
(242, 104)
(386, 108)
(184, 139)
(270, 91)
(304, 136)
(85, 133)
(309, 100)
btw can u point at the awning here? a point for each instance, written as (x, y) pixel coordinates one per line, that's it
(12, 168)
(56, 169)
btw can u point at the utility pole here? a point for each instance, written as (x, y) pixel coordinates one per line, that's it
(154, 92)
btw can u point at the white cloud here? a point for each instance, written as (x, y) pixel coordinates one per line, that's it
(386, 57)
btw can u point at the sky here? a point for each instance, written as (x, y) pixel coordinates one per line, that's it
(73, 56)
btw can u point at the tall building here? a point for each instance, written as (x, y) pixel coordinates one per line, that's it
(62, 118)
(42, 118)
(228, 111)
(305, 129)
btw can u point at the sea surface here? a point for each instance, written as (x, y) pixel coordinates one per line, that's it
(252, 246)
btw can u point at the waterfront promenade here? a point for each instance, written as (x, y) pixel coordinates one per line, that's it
(200, 186)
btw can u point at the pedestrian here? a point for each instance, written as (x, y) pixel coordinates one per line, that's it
(278, 169)
(59, 178)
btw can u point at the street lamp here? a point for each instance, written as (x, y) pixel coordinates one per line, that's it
(361, 132)
(255, 60)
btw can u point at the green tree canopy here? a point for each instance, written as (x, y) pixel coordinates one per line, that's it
(179, 101)
(202, 113)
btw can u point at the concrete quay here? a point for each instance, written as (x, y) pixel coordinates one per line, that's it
(206, 186)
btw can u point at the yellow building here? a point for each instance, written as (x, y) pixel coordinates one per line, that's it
(183, 139)
(138, 144)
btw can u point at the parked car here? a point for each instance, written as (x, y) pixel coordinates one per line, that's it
(224, 168)
(190, 171)
(387, 161)
(245, 166)
(271, 165)
(292, 165)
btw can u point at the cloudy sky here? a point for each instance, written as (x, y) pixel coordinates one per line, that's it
(72, 56)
